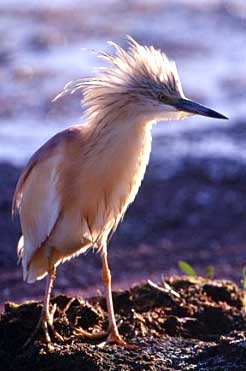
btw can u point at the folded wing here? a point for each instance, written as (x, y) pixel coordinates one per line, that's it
(37, 201)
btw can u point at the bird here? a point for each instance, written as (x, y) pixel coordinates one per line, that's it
(76, 188)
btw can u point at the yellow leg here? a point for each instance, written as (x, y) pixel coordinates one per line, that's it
(46, 318)
(113, 333)
(106, 276)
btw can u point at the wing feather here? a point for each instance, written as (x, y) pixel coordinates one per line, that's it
(36, 198)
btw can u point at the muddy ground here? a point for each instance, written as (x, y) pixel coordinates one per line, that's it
(180, 324)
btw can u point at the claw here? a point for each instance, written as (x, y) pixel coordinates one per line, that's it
(46, 323)
(112, 337)
(89, 335)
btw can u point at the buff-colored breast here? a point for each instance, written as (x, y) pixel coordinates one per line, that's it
(94, 177)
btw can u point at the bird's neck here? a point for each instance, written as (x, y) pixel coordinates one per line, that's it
(119, 152)
(123, 133)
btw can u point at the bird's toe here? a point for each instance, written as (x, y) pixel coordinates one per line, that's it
(89, 335)
(115, 338)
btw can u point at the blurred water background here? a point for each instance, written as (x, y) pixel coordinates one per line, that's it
(43, 46)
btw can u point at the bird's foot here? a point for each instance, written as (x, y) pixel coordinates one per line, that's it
(89, 335)
(46, 323)
(112, 336)
(115, 338)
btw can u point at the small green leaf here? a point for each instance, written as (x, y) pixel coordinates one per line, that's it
(187, 268)
(243, 280)
(209, 272)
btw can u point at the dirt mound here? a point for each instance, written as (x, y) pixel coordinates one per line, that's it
(180, 324)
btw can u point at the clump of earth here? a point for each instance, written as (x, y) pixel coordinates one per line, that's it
(179, 324)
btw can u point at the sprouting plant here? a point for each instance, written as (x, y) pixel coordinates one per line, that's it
(209, 272)
(187, 269)
(243, 280)
(190, 271)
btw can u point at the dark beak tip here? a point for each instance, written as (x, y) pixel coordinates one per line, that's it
(222, 117)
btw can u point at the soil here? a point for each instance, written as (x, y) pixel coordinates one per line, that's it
(180, 324)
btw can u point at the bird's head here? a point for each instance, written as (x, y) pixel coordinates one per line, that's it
(140, 82)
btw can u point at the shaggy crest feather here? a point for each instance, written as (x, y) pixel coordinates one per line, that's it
(136, 72)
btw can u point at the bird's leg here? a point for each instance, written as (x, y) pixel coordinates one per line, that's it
(46, 318)
(113, 333)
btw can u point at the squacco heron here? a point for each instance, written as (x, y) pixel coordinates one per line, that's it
(76, 188)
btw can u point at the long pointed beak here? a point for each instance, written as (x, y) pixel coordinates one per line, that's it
(196, 108)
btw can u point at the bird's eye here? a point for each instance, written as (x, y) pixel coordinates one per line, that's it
(162, 98)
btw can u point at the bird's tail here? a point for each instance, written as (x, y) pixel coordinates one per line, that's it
(36, 268)
(20, 249)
